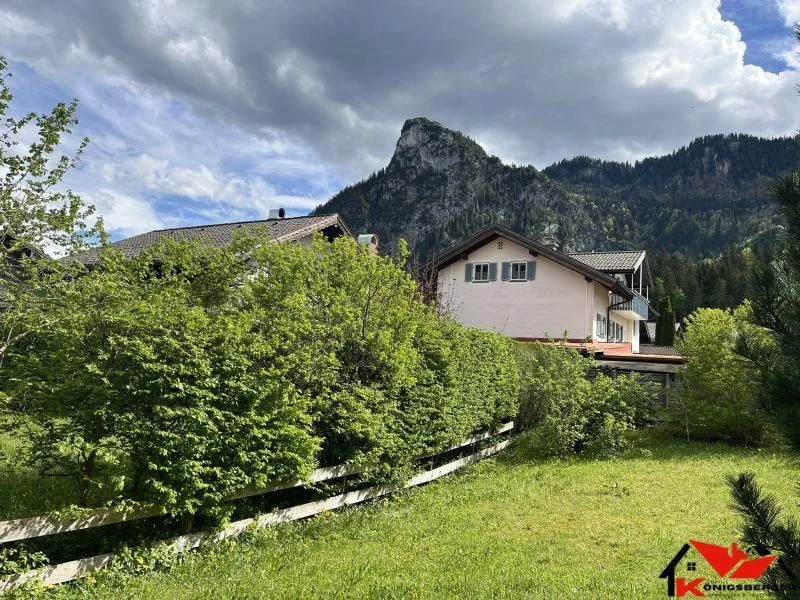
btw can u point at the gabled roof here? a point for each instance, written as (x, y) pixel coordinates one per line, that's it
(492, 232)
(8, 238)
(278, 230)
(619, 261)
(624, 261)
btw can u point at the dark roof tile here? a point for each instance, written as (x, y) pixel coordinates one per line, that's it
(279, 230)
(610, 262)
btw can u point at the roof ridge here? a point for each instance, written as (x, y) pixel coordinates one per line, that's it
(608, 252)
(275, 219)
(554, 255)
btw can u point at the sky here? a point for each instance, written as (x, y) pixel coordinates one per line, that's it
(203, 111)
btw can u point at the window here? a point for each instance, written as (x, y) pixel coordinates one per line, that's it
(481, 272)
(601, 326)
(500, 245)
(519, 271)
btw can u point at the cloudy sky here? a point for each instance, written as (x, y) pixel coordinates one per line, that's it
(203, 111)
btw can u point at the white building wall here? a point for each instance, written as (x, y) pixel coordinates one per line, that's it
(600, 306)
(634, 336)
(558, 299)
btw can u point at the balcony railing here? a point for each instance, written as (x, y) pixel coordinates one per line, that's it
(638, 305)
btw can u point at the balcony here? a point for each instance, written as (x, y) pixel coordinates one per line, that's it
(636, 309)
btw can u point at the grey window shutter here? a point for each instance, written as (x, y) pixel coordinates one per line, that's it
(468, 272)
(506, 269)
(492, 271)
(531, 268)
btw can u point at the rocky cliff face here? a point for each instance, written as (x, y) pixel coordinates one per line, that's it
(427, 145)
(440, 187)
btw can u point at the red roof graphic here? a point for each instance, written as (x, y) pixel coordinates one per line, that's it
(723, 560)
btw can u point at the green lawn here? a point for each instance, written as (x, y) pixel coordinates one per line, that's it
(24, 493)
(505, 528)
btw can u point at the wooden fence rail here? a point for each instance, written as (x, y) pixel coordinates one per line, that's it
(32, 527)
(68, 571)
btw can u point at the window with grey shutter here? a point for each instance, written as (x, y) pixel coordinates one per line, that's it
(468, 272)
(481, 272)
(505, 268)
(531, 270)
(492, 271)
(518, 271)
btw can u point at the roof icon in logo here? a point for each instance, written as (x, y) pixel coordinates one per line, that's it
(724, 561)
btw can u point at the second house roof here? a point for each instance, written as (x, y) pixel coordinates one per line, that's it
(278, 230)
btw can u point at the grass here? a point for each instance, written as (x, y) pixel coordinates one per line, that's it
(505, 528)
(24, 492)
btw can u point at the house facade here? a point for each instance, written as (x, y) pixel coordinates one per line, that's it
(501, 281)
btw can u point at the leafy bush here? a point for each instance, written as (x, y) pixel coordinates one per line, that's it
(151, 374)
(614, 408)
(554, 393)
(565, 412)
(190, 373)
(718, 400)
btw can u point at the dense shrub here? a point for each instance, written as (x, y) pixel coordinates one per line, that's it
(149, 376)
(718, 400)
(565, 412)
(190, 373)
(386, 374)
(615, 406)
(553, 396)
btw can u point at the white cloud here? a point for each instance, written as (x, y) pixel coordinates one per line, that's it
(790, 9)
(124, 214)
(234, 108)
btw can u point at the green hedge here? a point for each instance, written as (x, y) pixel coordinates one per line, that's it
(564, 412)
(719, 397)
(189, 373)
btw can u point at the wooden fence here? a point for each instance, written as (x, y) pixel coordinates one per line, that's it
(663, 376)
(32, 527)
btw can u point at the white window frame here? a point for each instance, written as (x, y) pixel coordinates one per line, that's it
(475, 271)
(511, 270)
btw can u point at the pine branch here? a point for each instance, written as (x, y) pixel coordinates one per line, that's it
(765, 529)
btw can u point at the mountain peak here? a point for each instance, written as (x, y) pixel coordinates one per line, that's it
(420, 122)
(425, 144)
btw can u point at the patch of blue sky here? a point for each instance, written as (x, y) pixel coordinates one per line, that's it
(187, 212)
(149, 147)
(763, 31)
(32, 92)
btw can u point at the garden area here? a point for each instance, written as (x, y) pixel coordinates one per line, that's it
(200, 386)
(507, 527)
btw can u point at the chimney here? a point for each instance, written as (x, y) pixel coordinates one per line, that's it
(550, 242)
(369, 241)
(277, 213)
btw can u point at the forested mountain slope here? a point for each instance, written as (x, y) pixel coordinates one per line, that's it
(708, 200)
